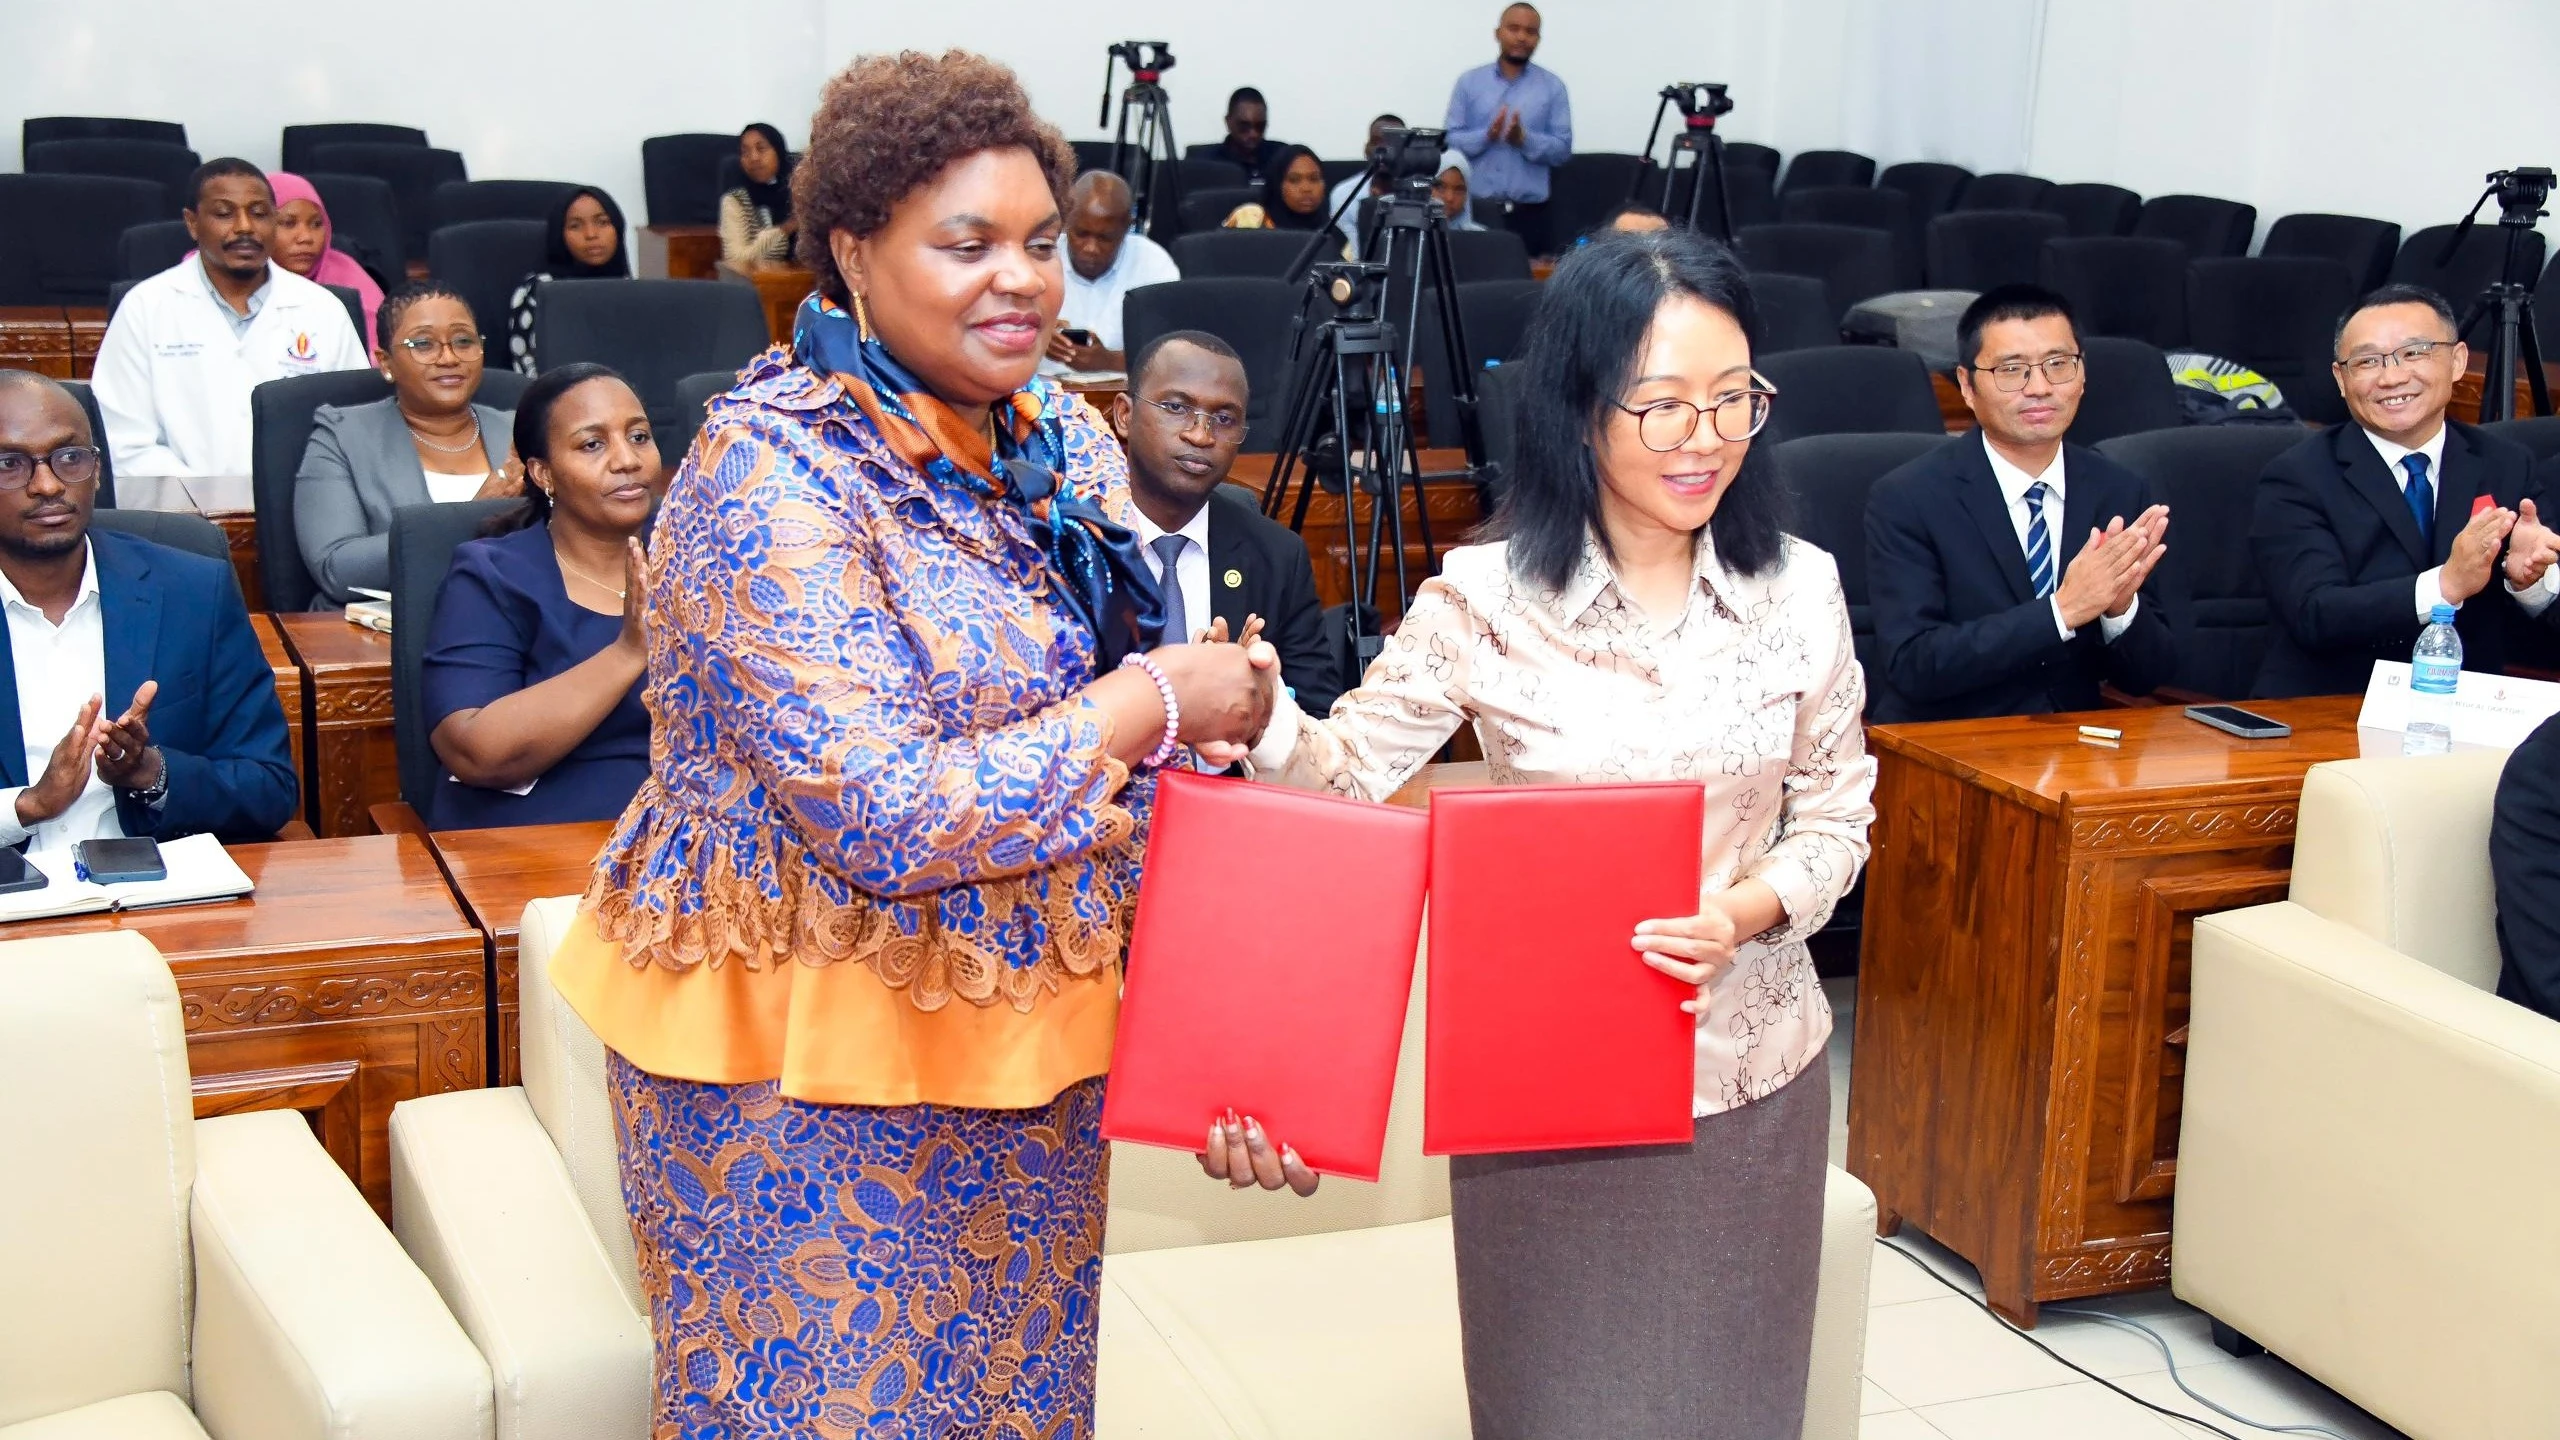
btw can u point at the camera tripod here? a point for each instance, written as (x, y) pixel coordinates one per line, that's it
(2508, 303)
(1700, 146)
(1354, 378)
(1143, 151)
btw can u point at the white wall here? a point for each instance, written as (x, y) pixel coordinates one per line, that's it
(2367, 106)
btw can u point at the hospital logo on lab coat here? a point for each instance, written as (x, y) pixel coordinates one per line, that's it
(303, 351)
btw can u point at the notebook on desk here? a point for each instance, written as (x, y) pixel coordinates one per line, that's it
(199, 869)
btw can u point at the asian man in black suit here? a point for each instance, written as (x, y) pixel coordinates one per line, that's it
(2362, 529)
(1182, 420)
(2010, 573)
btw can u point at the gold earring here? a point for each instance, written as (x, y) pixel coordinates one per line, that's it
(861, 316)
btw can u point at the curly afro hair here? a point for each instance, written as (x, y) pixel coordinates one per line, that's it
(889, 124)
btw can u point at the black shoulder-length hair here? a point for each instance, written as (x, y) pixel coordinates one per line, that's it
(533, 438)
(1581, 350)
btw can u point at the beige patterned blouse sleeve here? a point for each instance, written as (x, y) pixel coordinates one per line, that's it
(1753, 690)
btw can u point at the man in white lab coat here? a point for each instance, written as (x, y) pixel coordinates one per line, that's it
(188, 344)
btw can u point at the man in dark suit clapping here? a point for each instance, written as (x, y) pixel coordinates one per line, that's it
(2012, 574)
(2364, 528)
(1216, 555)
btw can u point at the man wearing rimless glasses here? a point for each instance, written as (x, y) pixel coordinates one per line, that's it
(137, 701)
(2012, 574)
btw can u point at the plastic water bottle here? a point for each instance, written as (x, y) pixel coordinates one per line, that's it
(2435, 672)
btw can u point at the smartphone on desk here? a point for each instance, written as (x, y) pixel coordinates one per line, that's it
(17, 875)
(119, 862)
(2247, 724)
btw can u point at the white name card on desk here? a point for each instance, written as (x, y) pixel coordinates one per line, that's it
(2499, 710)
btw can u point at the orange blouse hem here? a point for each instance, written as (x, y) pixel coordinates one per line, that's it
(834, 1034)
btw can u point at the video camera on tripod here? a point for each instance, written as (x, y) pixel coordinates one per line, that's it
(1696, 150)
(1135, 156)
(2508, 303)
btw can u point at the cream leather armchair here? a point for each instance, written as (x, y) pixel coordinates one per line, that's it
(1223, 1314)
(165, 1278)
(2370, 1148)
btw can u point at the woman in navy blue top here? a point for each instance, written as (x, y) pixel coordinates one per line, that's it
(536, 651)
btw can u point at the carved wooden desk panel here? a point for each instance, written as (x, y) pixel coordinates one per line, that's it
(497, 873)
(36, 337)
(2022, 984)
(288, 674)
(346, 671)
(348, 983)
(88, 331)
(679, 252)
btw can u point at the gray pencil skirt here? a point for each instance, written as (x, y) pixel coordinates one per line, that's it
(1657, 1291)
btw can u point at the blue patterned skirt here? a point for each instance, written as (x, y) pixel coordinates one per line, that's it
(856, 1271)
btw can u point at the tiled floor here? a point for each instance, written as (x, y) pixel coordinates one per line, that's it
(1941, 1368)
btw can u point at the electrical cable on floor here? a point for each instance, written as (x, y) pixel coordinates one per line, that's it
(1932, 1271)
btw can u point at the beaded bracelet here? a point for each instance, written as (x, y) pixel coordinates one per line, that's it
(1172, 709)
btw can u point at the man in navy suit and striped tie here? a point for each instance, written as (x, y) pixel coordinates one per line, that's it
(2010, 573)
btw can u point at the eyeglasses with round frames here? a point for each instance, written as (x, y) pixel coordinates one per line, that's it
(71, 464)
(1223, 424)
(1666, 425)
(2367, 364)
(2011, 375)
(424, 347)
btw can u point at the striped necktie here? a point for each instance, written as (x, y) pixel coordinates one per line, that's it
(2039, 542)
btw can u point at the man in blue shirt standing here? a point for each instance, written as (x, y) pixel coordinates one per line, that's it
(1512, 119)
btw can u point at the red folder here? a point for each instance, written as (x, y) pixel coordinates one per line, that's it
(1269, 970)
(1547, 1029)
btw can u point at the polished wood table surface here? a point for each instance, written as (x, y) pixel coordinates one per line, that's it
(348, 982)
(496, 873)
(346, 679)
(678, 252)
(2022, 982)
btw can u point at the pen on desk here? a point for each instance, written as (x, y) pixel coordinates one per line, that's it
(2101, 732)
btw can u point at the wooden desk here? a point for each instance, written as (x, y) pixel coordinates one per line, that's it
(678, 252)
(2022, 980)
(229, 501)
(289, 695)
(348, 983)
(780, 287)
(88, 332)
(496, 873)
(346, 677)
(38, 338)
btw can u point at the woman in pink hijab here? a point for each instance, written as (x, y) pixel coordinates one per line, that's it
(302, 246)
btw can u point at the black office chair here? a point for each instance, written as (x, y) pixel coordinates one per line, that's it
(2364, 246)
(2208, 477)
(1205, 173)
(2125, 389)
(1978, 249)
(1205, 210)
(2537, 433)
(482, 261)
(655, 332)
(2546, 312)
(2275, 315)
(2204, 224)
(88, 398)
(1584, 189)
(1852, 263)
(176, 529)
(364, 214)
(1931, 186)
(1795, 314)
(1498, 415)
(59, 233)
(2474, 267)
(2128, 285)
(1752, 189)
(2088, 208)
(2004, 191)
(412, 171)
(165, 165)
(459, 202)
(1827, 167)
(680, 176)
(1828, 479)
(1494, 317)
(1849, 390)
(1090, 154)
(693, 400)
(423, 539)
(1270, 254)
(299, 141)
(1752, 154)
(146, 250)
(1251, 314)
(36, 130)
(1477, 256)
(1872, 208)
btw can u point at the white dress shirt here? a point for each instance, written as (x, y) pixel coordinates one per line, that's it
(58, 668)
(1095, 304)
(2014, 484)
(1191, 572)
(2429, 593)
(176, 367)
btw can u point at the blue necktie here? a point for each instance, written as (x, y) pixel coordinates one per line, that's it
(2039, 543)
(2422, 499)
(1177, 624)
